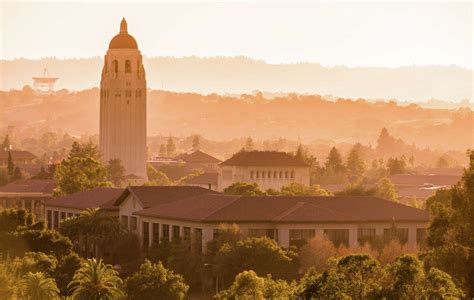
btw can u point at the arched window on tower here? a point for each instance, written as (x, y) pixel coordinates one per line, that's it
(115, 63)
(128, 66)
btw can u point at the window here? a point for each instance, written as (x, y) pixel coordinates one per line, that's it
(118, 93)
(286, 174)
(299, 237)
(63, 215)
(258, 175)
(133, 223)
(215, 233)
(400, 234)
(269, 174)
(275, 174)
(146, 234)
(292, 174)
(128, 66)
(263, 174)
(124, 221)
(56, 219)
(197, 240)
(281, 174)
(69, 215)
(155, 233)
(115, 64)
(254, 232)
(49, 219)
(338, 236)
(251, 174)
(365, 235)
(175, 231)
(420, 235)
(187, 233)
(166, 231)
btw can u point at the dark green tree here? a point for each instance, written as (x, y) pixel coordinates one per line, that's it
(356, 166)
(87, 150)
(196, 144)
(96, 280)
(79, 174)
(244, 189)
(6, 143)
(451, 232)
(115, 171)
(170, 147)
(249, 144)
(154, 281)
(263, 255)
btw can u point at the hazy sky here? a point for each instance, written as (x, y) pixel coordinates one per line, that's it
(352, 34)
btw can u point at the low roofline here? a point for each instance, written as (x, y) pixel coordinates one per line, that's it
(25, 194)
(137, 213)
(81, 208)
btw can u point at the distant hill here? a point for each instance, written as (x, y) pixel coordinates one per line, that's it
(235, 75)
(295, 117)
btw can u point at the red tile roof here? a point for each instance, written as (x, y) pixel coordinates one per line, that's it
(102, 197)
(150, 196)
(17, 154)
(264, 158)
(197, 157)
(29, 186)
(285, 209)
(205, 178)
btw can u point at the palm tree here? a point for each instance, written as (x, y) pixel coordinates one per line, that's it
(92, 230)
(36, 286)
(96, 280)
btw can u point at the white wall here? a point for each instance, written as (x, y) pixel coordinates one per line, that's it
(231, 174)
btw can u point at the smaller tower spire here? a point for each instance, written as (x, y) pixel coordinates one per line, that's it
(123, 26)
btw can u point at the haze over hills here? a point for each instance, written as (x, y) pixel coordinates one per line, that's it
(298, 117)
(236, 75)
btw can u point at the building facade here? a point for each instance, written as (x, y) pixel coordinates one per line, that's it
(157, 213)
(123, 105)
(29, 194)
(269, 169)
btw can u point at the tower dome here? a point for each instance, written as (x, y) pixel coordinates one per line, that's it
(123, 40)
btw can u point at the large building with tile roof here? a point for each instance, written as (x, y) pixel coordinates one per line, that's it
(269, 169)
(155, 213)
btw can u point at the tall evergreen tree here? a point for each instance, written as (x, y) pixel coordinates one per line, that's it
(6, 143)
(356, 165)
(10, 164)
(249, 144)
(170, 147)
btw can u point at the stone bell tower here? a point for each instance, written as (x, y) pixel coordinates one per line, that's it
(123, 106)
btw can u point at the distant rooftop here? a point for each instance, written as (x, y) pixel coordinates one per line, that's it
(150, 196)
(197, 157)
(17, 154)
(264, 158)
(101, 197)
(44, 186)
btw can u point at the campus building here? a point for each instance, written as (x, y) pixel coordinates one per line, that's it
(269, 169)
(29, 194)
(155, 213)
